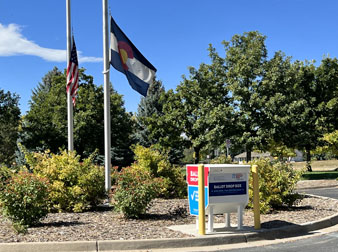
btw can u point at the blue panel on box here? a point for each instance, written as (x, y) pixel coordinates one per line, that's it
(227, 188)
(193, 199)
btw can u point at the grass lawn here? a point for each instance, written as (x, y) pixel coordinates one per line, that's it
(324, 169)
(320, 175)
(323, 165)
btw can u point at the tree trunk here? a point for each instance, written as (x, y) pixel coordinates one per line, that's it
(308, 160)
(248, 155)
(197, 155)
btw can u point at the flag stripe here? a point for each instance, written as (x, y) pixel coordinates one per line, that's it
(137, 84)
(75, 83)
(73, 74)
(125, 58)
(69, 70)
(134, 66)
(122, 37)
(135, 81)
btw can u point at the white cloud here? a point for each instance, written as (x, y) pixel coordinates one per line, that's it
(12, 42)
(88, 59)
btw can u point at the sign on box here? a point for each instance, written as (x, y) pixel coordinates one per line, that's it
(192, 175)
(193, 199)
(227, 188)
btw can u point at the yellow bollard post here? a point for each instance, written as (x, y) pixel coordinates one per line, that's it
(201, 201)
(257, 217)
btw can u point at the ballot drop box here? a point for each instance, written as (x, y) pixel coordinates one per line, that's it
(226, 191)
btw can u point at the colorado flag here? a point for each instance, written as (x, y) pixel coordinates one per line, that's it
(125, 58)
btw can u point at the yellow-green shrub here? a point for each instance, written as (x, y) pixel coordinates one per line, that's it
(158, 165)
(277, 182)
(74, 185)
(221, 159)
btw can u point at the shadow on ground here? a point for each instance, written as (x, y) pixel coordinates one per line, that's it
(177, 213)
(60, 224)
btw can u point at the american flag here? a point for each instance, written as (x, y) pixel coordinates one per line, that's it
(73, 73)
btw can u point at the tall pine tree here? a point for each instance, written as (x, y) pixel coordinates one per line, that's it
(150, 106)
(45, 125)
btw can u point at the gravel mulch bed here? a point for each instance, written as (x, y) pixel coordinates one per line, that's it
(107, 225)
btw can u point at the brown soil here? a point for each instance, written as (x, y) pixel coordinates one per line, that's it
(107, 225)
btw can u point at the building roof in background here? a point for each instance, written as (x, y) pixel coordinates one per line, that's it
(254, 155)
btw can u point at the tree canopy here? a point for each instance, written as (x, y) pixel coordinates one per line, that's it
(9, 126)
(202, 107)
(45, 125)
(245, 58)
(277, 104)
(149, 108)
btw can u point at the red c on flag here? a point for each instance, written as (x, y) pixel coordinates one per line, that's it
(125, 52)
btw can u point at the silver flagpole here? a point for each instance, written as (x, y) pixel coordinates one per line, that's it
(69, 98)
(107, 133)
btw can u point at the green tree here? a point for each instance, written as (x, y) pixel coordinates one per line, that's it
(296, 99)
(153, 126)
(327, 88)
(46, 84)
(331, 143)
(280, 104)
(280, 151)
(245, 58)
(9, 124)
(327, 79)
(307, 114)
(227, 130)
(201, 107)
(122, 128)
(42, 126)
(164, 130)
(45, 125)
(150, 106)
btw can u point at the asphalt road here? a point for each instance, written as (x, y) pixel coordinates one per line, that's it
(326, 192)
(326, 242)
(323, 243)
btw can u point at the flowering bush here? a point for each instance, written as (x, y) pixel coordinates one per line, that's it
(74, 185)
(277, 182)
(24, 199)
(134, 191)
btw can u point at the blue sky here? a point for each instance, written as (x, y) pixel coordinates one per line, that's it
(172, 35)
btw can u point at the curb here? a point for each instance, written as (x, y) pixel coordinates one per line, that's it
(49, 246)
(96, 246)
